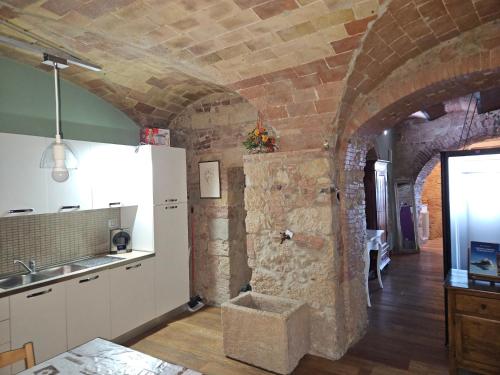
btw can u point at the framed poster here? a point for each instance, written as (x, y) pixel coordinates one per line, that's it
(484, 261)
(209, 179)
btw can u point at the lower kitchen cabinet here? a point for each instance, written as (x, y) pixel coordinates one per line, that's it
(88, 308)
(39, 316)
(132, 296)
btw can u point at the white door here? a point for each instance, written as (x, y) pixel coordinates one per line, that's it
(75, 193)
(131, 296)
(171, 257)
(113, 183)
(39, 316)
(23, 188)
(169, 175)
(87, 307)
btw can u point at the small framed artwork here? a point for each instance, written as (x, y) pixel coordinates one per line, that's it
(209, 179)
(484, 261)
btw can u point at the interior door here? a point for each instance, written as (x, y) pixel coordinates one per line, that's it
(381, 197)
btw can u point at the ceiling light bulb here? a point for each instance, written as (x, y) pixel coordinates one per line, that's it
(60, 174)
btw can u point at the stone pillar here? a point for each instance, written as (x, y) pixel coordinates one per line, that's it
(291, 190)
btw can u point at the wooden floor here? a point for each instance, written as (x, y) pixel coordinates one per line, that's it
(405, 334)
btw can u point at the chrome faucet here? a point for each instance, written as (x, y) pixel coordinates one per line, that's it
(31, 268)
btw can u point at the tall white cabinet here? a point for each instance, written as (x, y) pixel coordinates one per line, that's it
(161, 222)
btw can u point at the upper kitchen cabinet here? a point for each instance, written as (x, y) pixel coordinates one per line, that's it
(23, 187)
(162, 171)
(113, 181)
(75, 193)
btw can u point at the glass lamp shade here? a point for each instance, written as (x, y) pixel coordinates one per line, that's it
(59, 157)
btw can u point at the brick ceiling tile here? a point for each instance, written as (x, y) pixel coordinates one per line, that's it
(296, 31)
(274, 7)
(301, 109)
(240, 19)
(417, 29)
(61, 7)
(467, 22)
(346, 44)
(263, 42)
(406, 14)
(261, 55)
(442, 25)
(305, 2)
(333, 75)
(20, 3)
(206, 31)
(220, 10)
(95, 8)
(402, 45)
(333, 33)
(345, 59)
(433, 9)
(306, 81)
(327, 105)
(250, 82)
(208, 59)
(310, 68)
(427, 42)
(366, 8)
(179, 42)
(380, 51)
(390, 33)
(277, 112)
(314, 10)
(233, 51)
(300, 96)
(185, 23)
(358, 26)
(335, 18)
(280, 75)
(486, 8)
(459, 8)
(245, 4)
(144, 108)
(203, 48)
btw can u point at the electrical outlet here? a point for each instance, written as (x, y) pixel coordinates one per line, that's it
(112, 223)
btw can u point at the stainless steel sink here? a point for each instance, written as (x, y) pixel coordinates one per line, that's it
(15, 281)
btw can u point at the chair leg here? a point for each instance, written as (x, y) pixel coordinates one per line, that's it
(379, 276)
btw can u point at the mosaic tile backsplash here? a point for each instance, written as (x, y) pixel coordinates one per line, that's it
(54, 238)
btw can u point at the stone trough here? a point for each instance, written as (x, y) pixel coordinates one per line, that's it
(266, 331)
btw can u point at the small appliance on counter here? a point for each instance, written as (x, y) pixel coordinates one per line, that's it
(120, 241)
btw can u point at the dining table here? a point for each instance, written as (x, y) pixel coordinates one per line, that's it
(102, 357)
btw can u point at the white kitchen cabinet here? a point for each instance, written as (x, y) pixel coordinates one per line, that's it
(113, 176)
(22, 186)
(88, 308)
(75, 193)
(39, 316)
(131, 296)
(171, 257)
(169, 175)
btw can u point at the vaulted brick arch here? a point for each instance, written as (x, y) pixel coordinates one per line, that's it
(403, 31)
(466, 63)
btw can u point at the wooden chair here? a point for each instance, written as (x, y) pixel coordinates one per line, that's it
(25, 353)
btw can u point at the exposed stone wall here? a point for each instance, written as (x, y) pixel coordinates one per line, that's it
(292, 191)
(431, 196)
(213, 129)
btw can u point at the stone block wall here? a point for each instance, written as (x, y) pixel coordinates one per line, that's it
(213, 129)
(291, 190)
(431, 196)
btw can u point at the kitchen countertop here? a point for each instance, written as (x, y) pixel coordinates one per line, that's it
(99, 356)
(133, 256)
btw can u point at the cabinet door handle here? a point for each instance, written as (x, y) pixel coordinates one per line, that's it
(111, 204)
(76, 207)
(21, 210)
(134, 266)
(88, 279)
(39, 293)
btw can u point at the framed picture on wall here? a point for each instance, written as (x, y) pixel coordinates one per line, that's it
(209, 179)
(484, 261)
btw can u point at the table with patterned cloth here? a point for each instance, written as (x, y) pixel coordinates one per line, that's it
(101, 357)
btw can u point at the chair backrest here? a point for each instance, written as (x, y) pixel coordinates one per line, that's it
(25, 353)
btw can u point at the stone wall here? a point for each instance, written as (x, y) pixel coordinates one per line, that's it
(213, 129)
(292, 190)
(431, 196)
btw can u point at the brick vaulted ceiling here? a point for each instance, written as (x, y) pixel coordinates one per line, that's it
(159, 56)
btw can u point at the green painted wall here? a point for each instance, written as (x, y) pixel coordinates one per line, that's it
(27, 106)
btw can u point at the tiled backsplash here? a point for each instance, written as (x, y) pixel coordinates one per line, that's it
(54, 238)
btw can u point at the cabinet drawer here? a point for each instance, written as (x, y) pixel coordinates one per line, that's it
(4, 308)
(488, 307)
(4, 332)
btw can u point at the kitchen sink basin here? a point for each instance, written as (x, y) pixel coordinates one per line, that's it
(15, 281)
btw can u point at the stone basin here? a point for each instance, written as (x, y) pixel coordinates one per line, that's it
(266, 331)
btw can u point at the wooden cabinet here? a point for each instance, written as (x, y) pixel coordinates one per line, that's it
(22, 184)
(39, 316)
(171, 257)
(88, 308)
(131, 296)
(474, 329)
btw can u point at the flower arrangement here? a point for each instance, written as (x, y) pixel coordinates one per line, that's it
(259, 140)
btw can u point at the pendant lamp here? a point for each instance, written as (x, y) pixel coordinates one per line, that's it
(58, 156)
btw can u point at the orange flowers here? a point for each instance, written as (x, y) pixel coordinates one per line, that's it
(259, 140)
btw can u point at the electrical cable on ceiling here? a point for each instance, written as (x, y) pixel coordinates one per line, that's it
(465, 121)
(470, 124)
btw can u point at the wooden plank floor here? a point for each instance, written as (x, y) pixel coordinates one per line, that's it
(405, 334)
